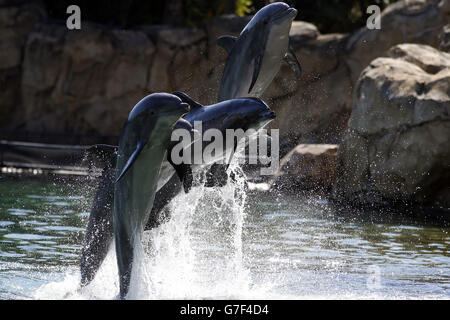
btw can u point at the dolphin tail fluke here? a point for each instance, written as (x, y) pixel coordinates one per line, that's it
(292, 61)
(132, 159)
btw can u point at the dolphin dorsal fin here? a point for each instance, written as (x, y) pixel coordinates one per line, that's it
(226, 42)
(185, 98)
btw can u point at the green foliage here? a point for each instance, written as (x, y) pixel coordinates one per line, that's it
(243, 7)
(197, 11)
(327, 15)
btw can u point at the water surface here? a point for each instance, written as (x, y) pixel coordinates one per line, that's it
(221, 244)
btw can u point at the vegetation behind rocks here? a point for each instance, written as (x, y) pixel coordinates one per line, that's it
(328, 15)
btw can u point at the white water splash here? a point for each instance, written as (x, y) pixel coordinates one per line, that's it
(283, 249)
(178, 263)
(196, 254)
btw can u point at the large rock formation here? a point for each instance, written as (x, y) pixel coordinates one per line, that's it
(16, 22)
(86, 80)
(306, 168)
(317, 108)
(397, 145)
(82, 81)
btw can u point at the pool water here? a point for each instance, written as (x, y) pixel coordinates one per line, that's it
(221, 244)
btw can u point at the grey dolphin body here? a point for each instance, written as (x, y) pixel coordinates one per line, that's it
(256, 55)
(237, 113)
(242, 113)
(99, 230)
(143, 144)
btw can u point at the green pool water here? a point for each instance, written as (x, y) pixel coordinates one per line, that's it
(274, 247)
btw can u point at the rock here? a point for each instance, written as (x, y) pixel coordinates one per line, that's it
(412, 21)
(317, 108)
(180, 62)
(308, 167)
(15, 24)
(86, 74)
(229, 24)
(444, 39)
(396, 148)
(302, 31)
(83, 81)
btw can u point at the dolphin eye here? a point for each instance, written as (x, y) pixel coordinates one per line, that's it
(265, 22)
(152, 113)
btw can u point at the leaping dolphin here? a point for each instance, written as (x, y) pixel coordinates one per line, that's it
(142, 147)
(255, 56)
(235, 114)
(242, 113)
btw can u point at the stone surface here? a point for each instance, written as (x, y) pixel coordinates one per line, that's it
(15, 24)
(308, 167)
(180, 62)
(87, 80)
(444, 39)
(82, 81)
(317, 108)
(397, 145)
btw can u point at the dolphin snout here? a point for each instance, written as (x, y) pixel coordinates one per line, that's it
(285, 13)
(292, 12)
(269, 115)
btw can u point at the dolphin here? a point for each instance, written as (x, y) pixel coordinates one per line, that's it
(245, 113)
(100, 225)
(241, 113)
(256, 55)
(142, 147)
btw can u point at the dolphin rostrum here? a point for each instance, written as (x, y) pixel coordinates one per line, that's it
(242, 114)
(142, 147)
(255, 56)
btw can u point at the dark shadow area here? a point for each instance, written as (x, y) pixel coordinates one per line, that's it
(328, 15)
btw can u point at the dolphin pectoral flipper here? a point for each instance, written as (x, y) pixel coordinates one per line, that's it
(292, 61)
(132, 159)
(184, 172)
(256, 69)
(169, 191)
(226, 42)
